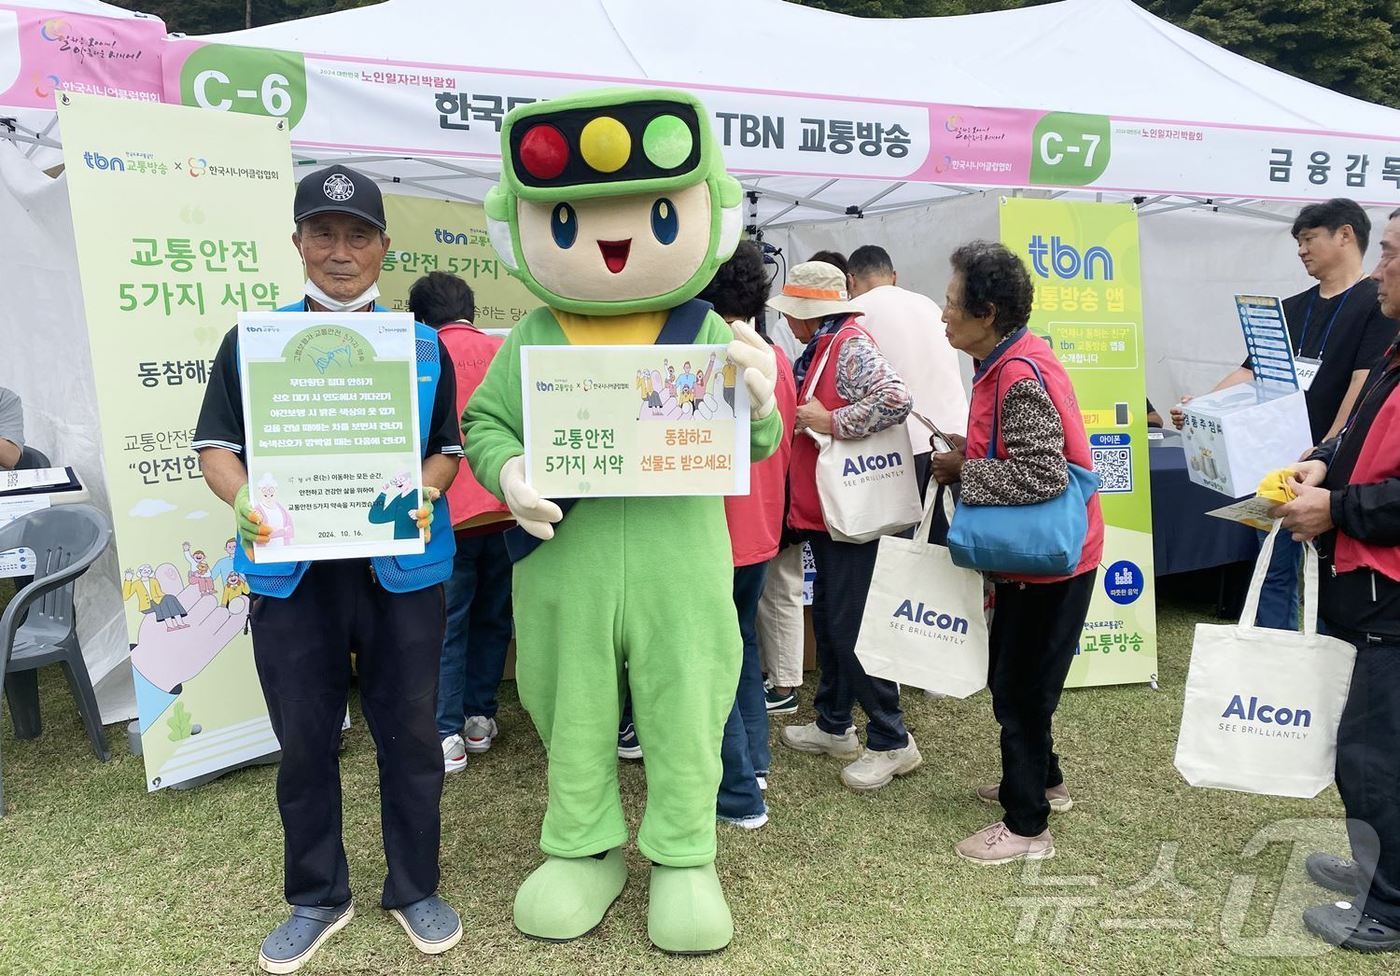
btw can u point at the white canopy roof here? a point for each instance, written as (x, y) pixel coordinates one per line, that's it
(1105, 57)
(1121, 60)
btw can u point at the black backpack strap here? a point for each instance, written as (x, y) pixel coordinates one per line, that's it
(682, 328)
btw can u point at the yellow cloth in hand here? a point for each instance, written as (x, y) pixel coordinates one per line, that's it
(1277, 486)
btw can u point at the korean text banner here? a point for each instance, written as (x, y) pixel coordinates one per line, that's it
(181, 219)
(440, 235)
(48, 51)
(330, 404)
(634, 420)
(1084, 263)
(372, 106)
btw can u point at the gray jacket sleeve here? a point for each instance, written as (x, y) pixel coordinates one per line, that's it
(11, 417)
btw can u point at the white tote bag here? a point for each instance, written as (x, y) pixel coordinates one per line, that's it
(867, 487)
(924, 622)
(1262, 706)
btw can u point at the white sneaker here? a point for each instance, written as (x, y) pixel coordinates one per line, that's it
(809, 738)
(454, 754)
(479, 733)
(877, 768)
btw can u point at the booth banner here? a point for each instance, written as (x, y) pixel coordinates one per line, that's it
(181, 222)
(441, 235)
(609, 421)
(48, 51)
(373, 106)
(1083, 259)
(330, 404)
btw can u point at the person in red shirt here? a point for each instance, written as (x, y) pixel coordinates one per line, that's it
(739, 291)
(478, 593)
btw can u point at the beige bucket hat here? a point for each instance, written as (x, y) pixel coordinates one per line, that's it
(814, 290)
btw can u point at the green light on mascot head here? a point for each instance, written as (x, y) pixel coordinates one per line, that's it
(613, 201)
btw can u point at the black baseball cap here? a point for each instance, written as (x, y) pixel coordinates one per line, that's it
(339, 189)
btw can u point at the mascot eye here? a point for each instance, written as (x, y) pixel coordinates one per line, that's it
(664, 222)
(564, 224)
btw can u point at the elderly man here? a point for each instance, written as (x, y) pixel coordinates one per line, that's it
(1338, 333)
(307, 617)
(1348, 498)
(908, 328)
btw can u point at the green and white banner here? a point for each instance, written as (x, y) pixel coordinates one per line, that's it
(183, 221)
(1084, 262)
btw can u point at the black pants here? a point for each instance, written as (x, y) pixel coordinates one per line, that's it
(1035, 632)
(1368, 769)
(302, 646)
(838, 599)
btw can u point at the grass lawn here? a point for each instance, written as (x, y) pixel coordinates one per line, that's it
(99, 877)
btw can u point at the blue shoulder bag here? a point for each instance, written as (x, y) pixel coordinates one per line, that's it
(1043, 539)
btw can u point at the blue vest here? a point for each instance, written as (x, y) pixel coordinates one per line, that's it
(397, 574)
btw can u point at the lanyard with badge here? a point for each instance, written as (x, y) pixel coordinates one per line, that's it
(1307, 366)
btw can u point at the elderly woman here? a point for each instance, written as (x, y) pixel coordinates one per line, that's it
(856, 395)
(1037, 622)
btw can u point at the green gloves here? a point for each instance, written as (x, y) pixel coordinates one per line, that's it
(250, 524)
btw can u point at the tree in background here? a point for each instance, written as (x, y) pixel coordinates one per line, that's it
(219, 16)
(1351, 46)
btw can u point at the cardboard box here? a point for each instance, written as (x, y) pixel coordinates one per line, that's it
(1235, 436)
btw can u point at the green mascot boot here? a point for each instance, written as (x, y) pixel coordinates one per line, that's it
(688, 914)
(566, 897)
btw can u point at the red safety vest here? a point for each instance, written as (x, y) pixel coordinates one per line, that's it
(471, 351)
(1006, 370)
(805, 506)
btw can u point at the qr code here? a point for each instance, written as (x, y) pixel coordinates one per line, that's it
(1114, 466)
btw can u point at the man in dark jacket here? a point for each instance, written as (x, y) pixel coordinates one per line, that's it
(1349, 501)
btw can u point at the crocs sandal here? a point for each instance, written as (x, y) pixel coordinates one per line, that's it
(431, 924)
(1344, 925)
(296, 940)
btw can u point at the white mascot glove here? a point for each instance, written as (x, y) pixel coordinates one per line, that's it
(532, 513)
(755, 357)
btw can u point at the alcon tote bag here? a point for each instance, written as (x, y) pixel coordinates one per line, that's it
(867, 487)
(924, 622)
(1262, 706)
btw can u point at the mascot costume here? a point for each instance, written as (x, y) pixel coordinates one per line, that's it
(615, 210)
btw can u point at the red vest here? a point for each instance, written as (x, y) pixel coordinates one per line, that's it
(1001, 374)
(805, 506)
(1378, 461)
(472, 351)
(756, 519)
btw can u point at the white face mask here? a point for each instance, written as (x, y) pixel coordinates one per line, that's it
(317, 295)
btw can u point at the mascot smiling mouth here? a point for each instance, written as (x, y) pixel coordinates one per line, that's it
(615, 254)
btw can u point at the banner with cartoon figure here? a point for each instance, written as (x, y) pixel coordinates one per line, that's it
(634, 420)
(330, 404)
(182, 222)
(445, 235)
(1083, 259)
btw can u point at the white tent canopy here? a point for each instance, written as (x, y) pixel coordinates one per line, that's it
(1106, 57)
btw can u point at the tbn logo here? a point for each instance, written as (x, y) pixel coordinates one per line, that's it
(1064, 260)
